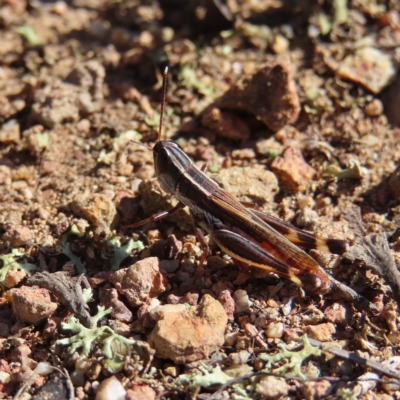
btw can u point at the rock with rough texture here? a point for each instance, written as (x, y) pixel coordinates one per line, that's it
(316, 390)
(274, 329)
(109, 298)
(269, 94)
(140, 392)
(98, 209)
(140, 281)
(321, 332)
(272, 388)
(32, 304)
(57, 101)
(225, 124)
(337, 313)
(292, 170)
(10, 132)
(13, 278)
(190, 335)
(228, 303)
(369, 67)
(18, 235)
(248, 184)
(143, 313)
(159, 312)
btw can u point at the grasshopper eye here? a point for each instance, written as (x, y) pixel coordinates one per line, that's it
(162, 162)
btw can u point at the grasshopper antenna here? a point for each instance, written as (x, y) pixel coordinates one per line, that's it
(141, 144)
(164, 93)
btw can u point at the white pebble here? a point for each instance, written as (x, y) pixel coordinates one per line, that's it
(111, 389)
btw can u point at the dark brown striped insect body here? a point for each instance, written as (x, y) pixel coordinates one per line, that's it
(248, 235)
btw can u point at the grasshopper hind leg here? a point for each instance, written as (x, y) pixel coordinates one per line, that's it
(318, 281)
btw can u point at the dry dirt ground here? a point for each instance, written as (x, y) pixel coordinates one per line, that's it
(295, 108)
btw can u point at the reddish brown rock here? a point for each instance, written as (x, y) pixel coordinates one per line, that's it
(143, 313)
(337, 313)
(140, 281)
(126, 205)
(316, 390)
(99, 278)
(225, 124)
(32, 304)
(140, 392)
(292, 170)
(190, 335)
(52, 325)
(251, 330)
(109, 298)
(228, 303)
(369, 67)
(18, 235)
(269, 94)
(13, 278)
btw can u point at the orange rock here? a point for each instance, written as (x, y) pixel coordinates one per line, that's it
(321, 332)
(32, 304)
(292, 170)
(190, 335)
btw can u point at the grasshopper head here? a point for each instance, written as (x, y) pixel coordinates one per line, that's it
(170, 162)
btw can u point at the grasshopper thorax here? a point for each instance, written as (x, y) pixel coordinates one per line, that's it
(170, 162)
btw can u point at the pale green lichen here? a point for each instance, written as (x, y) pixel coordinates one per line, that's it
(152, 122)
(87, 294)
(122, 252)
(29, 35)
(296, 358)
(115, 347)
(345, 394)
(10, 263)
(355, 171)
(80, 266)
(210, 377)
(341, 12)
(188, 78)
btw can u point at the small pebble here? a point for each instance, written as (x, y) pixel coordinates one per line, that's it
(374, 109)
(321, 332)
(111, 388)
(274, 329)
(242, 301)
(140, 281)
(272, 388)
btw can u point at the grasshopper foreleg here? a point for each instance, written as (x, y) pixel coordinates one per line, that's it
(156, 217)
(205, 248)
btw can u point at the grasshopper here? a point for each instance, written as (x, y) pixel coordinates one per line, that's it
(249, 236)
